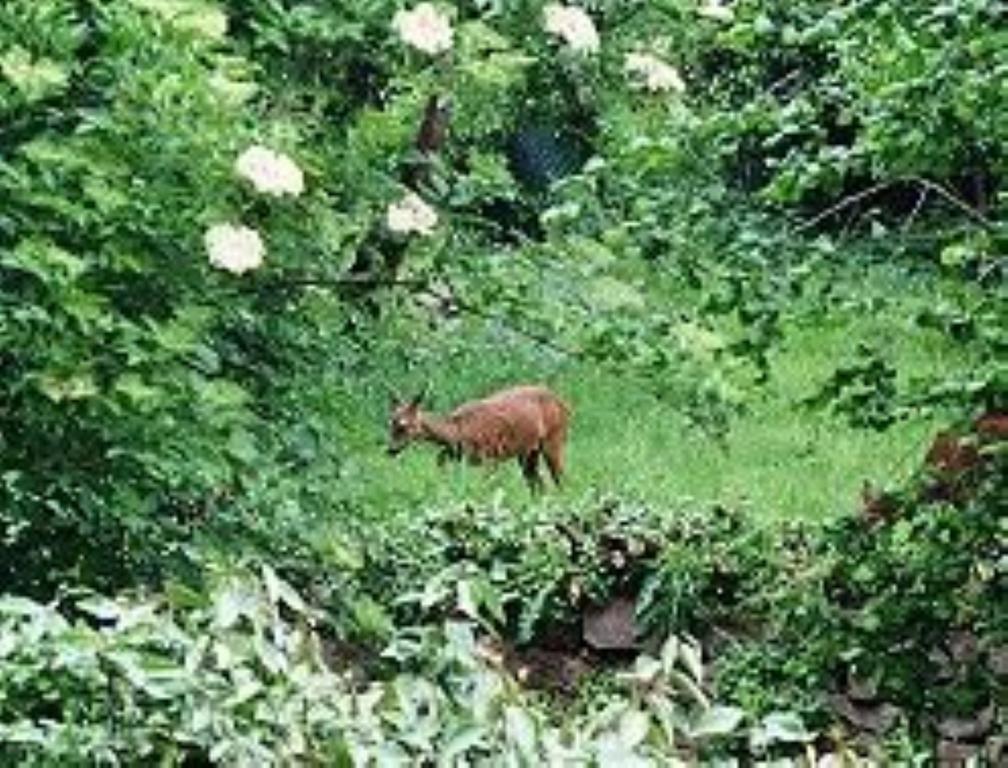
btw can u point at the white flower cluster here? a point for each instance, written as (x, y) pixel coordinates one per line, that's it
(234, 248)
(271, 173)
(655, 74)
(425, 28)
(411, 214)
(572, 25)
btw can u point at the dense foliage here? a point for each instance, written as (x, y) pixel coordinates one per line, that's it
(242, 678)
(227, 227)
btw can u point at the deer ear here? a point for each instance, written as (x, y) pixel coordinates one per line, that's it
(422, 395)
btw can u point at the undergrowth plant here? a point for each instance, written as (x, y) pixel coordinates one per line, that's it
(239, 676)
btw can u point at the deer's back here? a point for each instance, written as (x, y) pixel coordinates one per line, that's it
(511, 421)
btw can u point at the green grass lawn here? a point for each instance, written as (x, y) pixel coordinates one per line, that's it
(780, 460)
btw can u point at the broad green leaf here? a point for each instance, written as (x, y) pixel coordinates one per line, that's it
(718, 721)
(13, 605)
(784, 727)
(633, 727)
(48, 262)
(691, 655)
(281, 592)
(465, 598)
(232, 602)
(138, 392)
(464, 739)
(669, 654)
(521, 731)
(646, 669)
(611, 752)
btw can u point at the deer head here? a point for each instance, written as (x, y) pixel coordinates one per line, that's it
(404, 421)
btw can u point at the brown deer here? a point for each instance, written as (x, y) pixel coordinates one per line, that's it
(524, 422)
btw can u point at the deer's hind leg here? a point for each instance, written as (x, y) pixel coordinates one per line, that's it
(553, 451)
(529, 464)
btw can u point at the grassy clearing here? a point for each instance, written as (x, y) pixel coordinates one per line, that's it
(779, 459)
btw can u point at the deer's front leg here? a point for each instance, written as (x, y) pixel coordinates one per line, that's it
(449, 453)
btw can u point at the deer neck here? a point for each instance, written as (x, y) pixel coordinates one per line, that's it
(440, 431)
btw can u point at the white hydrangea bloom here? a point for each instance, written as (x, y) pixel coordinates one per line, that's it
(271, 173)
(425, 28)
(572, 25)
(236, 249)
(717, 10)
(655, 74)
(411, 214)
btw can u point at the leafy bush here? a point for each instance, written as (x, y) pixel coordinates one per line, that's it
(910, 606)
(132, 366)
(241, 678)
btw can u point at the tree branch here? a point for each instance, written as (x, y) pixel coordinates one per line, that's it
(926, 186)
(363, 280)
(847, 202)
(921, 198)
(958, 202)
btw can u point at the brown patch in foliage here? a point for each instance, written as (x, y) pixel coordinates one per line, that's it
(538, 668)
(955, 463)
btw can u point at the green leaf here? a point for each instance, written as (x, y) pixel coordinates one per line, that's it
(465, 738)
(521, 731)
(784, 728)
(490, 600)
(613, 753)
(646, 669)
(633, 727)
(101, 608)
(195, 16)
(465, 598)
(718, 721)
(34, 78)
(233, 602)
(241, 445)
(609, 294)
(138, 392)
(691, 655)
(669, 654)
(48, 262)
(57, 388)
(281, 592)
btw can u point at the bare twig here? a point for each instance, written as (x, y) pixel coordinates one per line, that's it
(921, 198)
(847, 202)
(957, 201)
(926, 186)
(362, 280)
(786, 80)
